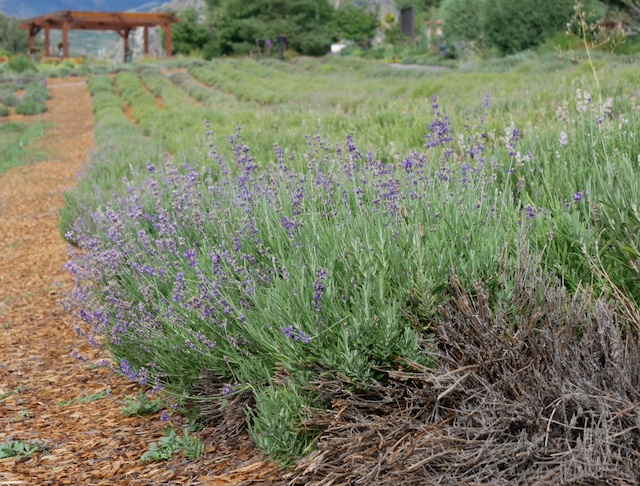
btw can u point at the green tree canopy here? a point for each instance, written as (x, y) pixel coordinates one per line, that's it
(356, 24)
(305, 23)
(310, 26)
(190, 34)
(13, 39)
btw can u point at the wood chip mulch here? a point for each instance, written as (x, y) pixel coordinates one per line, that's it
(85, 443)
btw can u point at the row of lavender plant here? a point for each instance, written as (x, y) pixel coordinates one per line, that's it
(120, 146)
(263, 279)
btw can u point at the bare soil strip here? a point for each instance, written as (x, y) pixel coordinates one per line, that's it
(86, 443)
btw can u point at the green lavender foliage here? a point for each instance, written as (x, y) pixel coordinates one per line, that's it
(268, 267)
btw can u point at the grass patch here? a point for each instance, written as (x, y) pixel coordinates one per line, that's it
(15, 139)
(86, 398)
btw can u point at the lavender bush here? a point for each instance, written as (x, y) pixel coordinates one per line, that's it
(261, 277)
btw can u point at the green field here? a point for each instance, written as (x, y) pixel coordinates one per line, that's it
(275, 243)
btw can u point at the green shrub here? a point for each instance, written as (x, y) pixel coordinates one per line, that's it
(30, 107)
(313, 43)
(4, 111)
(515, 25)
(461, 21)
(8, 98)
(21, 64)
(37, 91)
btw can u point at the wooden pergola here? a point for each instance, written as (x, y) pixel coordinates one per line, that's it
(120, 22)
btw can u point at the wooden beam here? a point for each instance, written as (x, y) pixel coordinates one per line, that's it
(146, 40)
(31, 36)
(167, 39)
(124, 34)
(47, 42)
(65, 39)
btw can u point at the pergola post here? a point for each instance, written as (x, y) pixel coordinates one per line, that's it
(125, 39)
(65, 39)
(146, 40)
(47, 42)
(167, 38)
(33, 31)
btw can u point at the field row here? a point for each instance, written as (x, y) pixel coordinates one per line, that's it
(309, 230)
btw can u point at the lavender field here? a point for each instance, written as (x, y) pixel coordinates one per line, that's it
(394, 275)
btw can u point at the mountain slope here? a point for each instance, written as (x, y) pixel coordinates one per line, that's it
(33, 8)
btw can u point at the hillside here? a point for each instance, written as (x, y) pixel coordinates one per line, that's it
(39, 7)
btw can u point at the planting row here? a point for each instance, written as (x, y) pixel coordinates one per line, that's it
(251, 274)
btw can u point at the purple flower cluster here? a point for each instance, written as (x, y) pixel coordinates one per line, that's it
(170, 274)
(291, 332)
(318, 288)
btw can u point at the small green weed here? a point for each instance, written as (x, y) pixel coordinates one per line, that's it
(19, 448)
(141, 404)
(10, 392)
(163, 450)
(15, 139)
(86, 398)
(22, 415)
(191, 445)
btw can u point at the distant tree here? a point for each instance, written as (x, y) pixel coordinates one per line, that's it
(419, 5)
(356, 24)
(632, 9)
(13, 39)
(515, 25)
(239, 23)
(462, 21)
(190, 34)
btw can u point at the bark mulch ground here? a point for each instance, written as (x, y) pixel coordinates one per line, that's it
(85, 443)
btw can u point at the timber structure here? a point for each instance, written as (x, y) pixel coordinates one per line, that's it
(121, 22)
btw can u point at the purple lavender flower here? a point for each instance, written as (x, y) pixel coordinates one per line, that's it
(164, 416)
(289, 225)
(291, 332)
(577, 197)
(178, 290)
(190, 255)
(78, 356)
(530, 211)
(513, 140)
(439, 129)
(126, 370)
(318, 288)
(564, 138)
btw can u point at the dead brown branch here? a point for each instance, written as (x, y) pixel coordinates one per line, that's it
(544, 392)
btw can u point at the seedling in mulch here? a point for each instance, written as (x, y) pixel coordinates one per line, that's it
(22, 415)
(141, 404)
(163, 450)
(10, 392)
(19, 448)
(191, 445)
(86, 398)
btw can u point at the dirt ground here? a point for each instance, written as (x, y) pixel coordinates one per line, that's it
(86, 443)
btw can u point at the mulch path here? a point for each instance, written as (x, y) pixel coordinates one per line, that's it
(86, 443)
